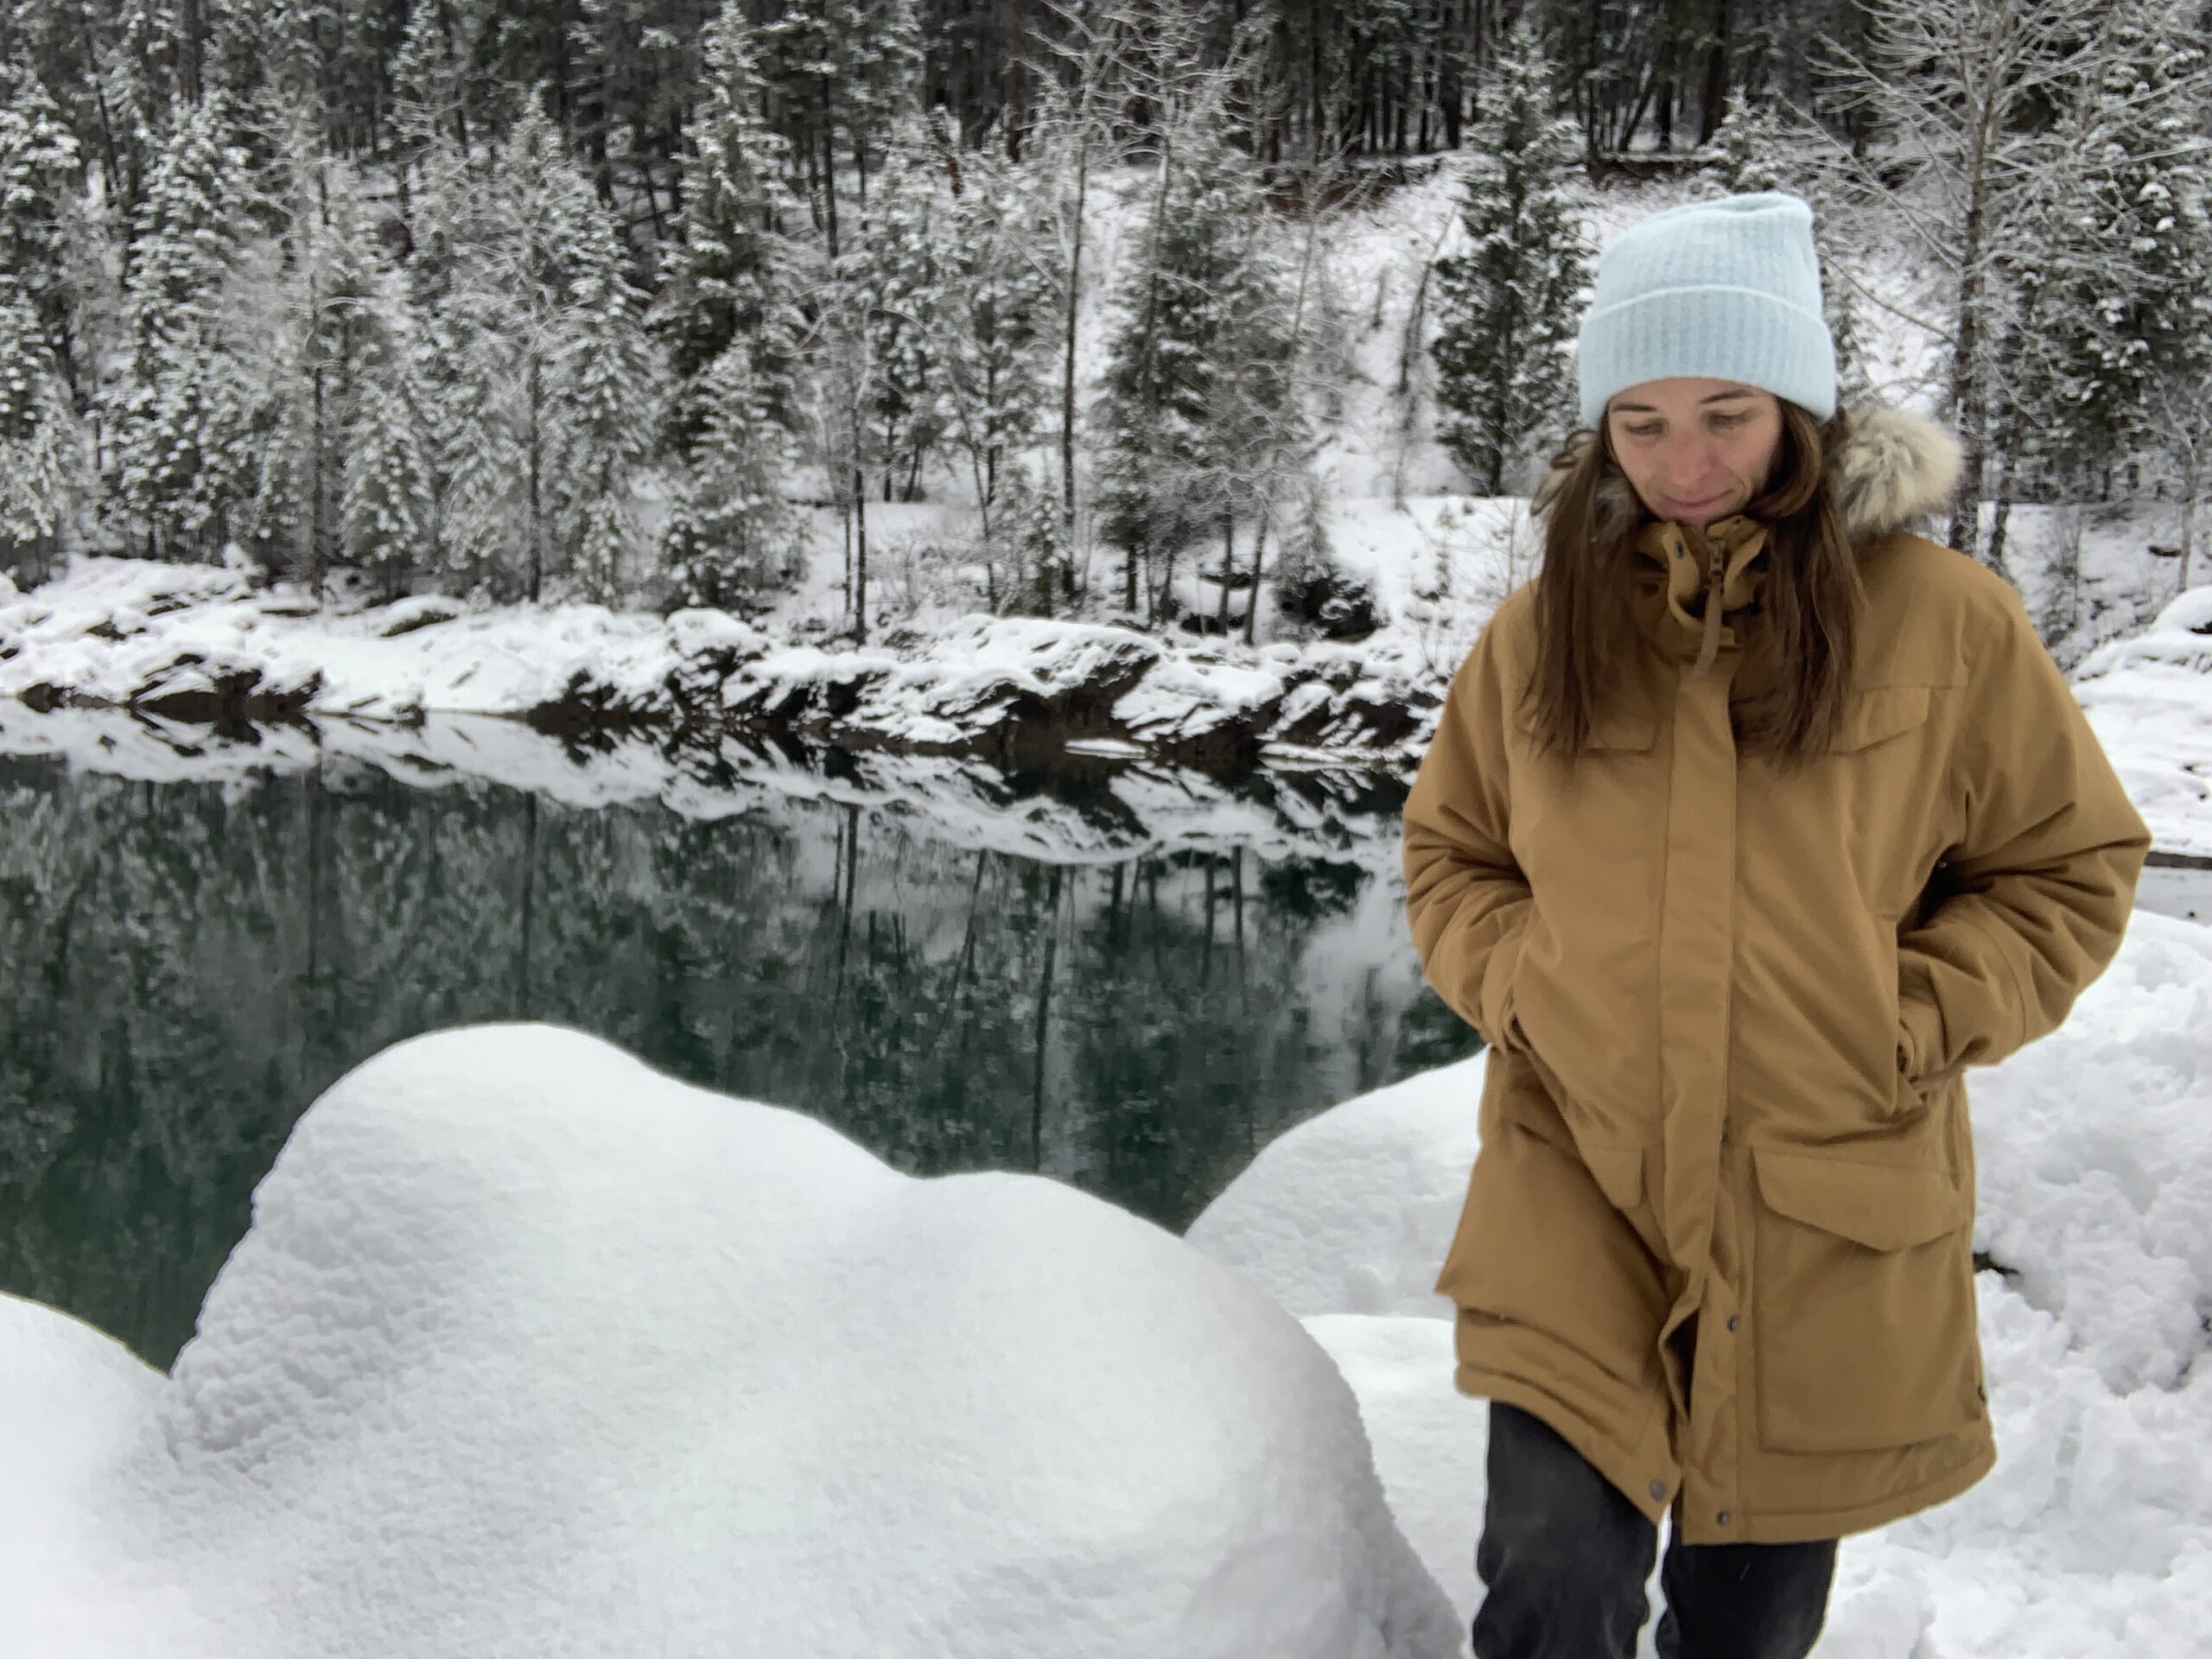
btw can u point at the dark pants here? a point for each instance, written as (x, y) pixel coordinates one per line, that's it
(1567, 1559)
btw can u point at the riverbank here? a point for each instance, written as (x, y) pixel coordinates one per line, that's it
(206, 646)
(201, 644)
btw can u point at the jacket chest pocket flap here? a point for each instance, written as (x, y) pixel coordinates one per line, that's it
(1863, 1292)
(1879, 714)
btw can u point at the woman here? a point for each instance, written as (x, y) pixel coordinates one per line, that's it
(1749, 826)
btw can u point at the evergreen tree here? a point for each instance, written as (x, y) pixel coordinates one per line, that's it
(895, 272)
(609, 394)
(1759, 149)
(732, 274)
(42, 447)
(41, 179)
(184, 446)
(1509, 302)
(839, 69)
(545, 431)
(992, 325)
(733, 541)
(388, 511)
(2119, 295)
(326, 322)
(1197, 364)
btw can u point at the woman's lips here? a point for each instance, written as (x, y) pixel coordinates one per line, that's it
(1685, 509)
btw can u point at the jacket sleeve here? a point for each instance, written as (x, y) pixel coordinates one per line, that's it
(1467, 901)
(2029, 906)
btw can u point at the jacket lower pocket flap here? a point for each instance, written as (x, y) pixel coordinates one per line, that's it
(1882, 1207)
(1878, 713)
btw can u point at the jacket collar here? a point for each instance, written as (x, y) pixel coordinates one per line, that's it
(1891, 469)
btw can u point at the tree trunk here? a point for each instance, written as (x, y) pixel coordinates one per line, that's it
(1228, 568)
(1010, 110)
(1259, 560)
(1712, 101)
(1067, 361)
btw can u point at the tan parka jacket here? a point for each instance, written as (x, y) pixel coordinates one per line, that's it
(1719, 1233)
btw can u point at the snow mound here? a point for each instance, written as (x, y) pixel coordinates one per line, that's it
(1351, 1211)
(531, 1349)
(2149, 698)
(69, 1396)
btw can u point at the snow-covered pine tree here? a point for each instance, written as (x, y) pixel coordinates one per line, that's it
(839, 69)
(895, 269)
(41, 444)
(41, 180)
(1508, 301)
(733, 541)
(732, 274)
(993, 328)
(388, 510)
(2119, 294)
(324, 321)
(1759, 147)
(1200, 304)
(610, 390)
(42, 447)
(546, 429)
(183, 450)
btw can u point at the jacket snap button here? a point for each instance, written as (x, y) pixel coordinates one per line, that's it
(1723, 1518)
(1733, 1321)
(1658, 1489)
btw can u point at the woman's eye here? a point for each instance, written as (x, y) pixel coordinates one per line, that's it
(1728, 423)
(1649, 430)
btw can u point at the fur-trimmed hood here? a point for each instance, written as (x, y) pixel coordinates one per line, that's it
(1892, 469)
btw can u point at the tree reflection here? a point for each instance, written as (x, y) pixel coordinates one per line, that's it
(188, 964)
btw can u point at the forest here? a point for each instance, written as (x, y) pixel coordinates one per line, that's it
(623, 300)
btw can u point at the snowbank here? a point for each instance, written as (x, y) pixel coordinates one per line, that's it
(2093, 1537)
(198, 643)
(2150, 699)
(531, 1349)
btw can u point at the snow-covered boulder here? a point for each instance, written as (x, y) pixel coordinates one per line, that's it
(1351, 1211)
(69, 1397)
(531, 1349)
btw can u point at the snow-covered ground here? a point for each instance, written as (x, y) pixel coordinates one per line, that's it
(531, 1350)
(2149, 697)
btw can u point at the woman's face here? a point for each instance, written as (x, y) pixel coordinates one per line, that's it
(1695, 450)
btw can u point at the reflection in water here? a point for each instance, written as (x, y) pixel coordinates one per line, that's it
(188, 963)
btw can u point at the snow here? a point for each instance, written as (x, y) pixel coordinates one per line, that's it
(2149, 697)
(2093, 1535)
(531, 1349)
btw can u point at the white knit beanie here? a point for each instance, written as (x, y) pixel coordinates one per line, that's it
(1727, 289)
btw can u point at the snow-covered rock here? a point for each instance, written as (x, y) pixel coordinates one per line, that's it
(200, 642)
(531, 1349)
(1351, 1211)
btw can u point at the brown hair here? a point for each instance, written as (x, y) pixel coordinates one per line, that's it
(1588, 642)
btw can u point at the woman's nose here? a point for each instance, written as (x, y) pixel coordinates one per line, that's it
(1688, 461)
